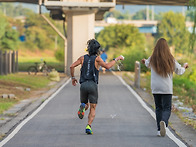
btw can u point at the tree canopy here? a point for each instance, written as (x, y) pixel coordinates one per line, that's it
(13, 11)
(125, 40)
(192, 7)
(172, 27)
(120, 36)
(8, 35)
(117, 14)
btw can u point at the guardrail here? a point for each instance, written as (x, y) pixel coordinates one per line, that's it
(8, 62)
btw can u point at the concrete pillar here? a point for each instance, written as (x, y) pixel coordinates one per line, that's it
(80, 28)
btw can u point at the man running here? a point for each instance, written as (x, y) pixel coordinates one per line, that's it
(89, 79)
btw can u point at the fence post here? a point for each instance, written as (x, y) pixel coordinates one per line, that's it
(137, 74)
(9, 63)
(5, 63)
(13, 62)
(16, 61)
(1, 63)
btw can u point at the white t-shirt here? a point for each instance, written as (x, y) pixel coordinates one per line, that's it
(163, 85)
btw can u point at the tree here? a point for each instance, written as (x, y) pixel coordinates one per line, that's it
(117, 14)
(10, 39)
(172, 27)
(190, 15)
(45, 37)
(12, 10)
(59, 54)
(192, 6)
(120, 36)
(140, 15)
(8, 36)
(125, 40)
(3, 24)
(7, 9)
(37, 38)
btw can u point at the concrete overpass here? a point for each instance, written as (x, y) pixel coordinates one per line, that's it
(136, 23)
(121, 2)
(80, 16)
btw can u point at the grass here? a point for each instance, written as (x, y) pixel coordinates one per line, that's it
(28, 80)
(9, 83)
(27, 58)
(25, 62)
(186, 90)
(5, 104)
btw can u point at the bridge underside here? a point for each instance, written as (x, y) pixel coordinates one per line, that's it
(124, 2)
(22, 1)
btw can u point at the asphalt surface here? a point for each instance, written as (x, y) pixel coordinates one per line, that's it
(120, 121)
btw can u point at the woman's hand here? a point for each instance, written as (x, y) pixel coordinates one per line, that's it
(186, 65)
(143, 61)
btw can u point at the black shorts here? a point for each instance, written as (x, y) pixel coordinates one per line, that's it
(89, 92)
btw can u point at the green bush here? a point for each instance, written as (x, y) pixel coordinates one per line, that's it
(131, 55)
(119, 36)
(59, 54)
(193, 75)
(188, 85)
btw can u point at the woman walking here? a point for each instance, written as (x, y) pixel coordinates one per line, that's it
(162, 65)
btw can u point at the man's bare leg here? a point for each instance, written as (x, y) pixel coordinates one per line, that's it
(91, 114)
(86, 106)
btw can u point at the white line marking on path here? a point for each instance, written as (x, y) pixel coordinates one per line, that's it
(169, 133)
(15, 131)
(113, 115)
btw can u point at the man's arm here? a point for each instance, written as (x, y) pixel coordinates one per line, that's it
(109, 64)
(75, 64)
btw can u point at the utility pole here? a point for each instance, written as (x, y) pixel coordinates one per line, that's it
(4, 11)
(152, 15)
(183, 11)
(147, 12)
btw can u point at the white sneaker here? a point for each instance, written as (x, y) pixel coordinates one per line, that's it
(158, 134)
(162, 128)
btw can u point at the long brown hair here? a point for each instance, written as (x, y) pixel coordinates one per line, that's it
(162, 60)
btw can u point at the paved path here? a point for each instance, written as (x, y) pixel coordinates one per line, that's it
(120, 121)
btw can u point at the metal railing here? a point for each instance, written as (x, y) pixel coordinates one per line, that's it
(8, 62)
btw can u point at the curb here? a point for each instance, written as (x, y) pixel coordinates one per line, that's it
(16, 114)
